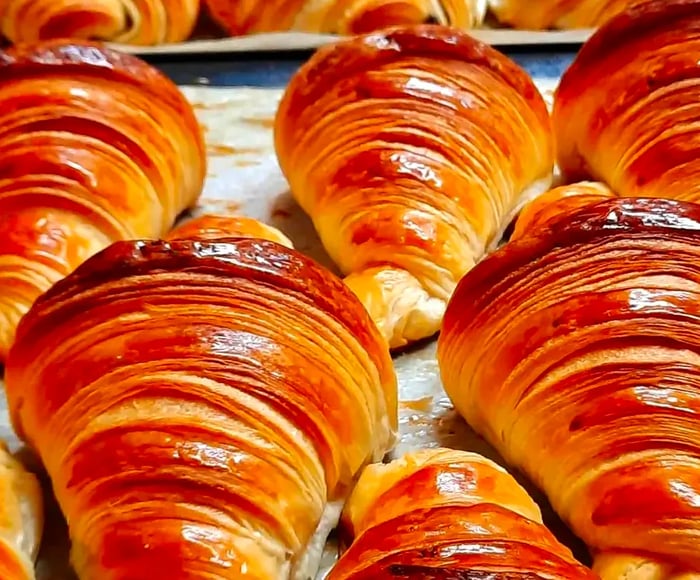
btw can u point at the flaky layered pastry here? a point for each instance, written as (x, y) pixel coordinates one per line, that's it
(576, 354)
(141, 22)
(627, 110)
(215, 227)
(341, 16)
(565, 14)
(548, 207)
(198, 404)
(95, 146)
(411, 150)
(441, 513)
(21, 518)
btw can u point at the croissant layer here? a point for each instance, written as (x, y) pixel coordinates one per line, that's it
(441, 513)
(389, 143)
(21, 519)
(341, 16)
(644, 142)
(564, 14)
(584, 375)
(216, 227)
(96, 146)
(213, 380)
(550, 206)
(139, 22)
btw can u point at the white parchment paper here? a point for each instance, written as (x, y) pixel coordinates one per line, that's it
(244, 178)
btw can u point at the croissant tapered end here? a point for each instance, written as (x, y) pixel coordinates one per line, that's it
(153, 22)
(557, 202)
(199, 405)
(384, 139)
(567, 14)
(21, 518)
(348, 17)
(95, 146)
(398, 303)
(213, 227)
(644, 141)
(574, 352)
(434, 513)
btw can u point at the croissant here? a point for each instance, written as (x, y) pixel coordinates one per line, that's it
(563, 14)
(411, 150)
(95, 146)
(140, 22)
(341, 16)
(213, 227)
(643, 142)
(575, 353)
(190, 401)
(441, 513)
(22, 519)
(562, 200)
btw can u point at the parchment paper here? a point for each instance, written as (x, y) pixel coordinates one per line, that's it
(290, 41)
(244, 177)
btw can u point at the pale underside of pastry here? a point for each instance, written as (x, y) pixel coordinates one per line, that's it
(309, 562)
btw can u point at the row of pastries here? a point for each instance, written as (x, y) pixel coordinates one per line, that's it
(153, 22)
(209, 402)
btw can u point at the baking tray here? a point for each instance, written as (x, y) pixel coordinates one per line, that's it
(295, 41)
(244, 178)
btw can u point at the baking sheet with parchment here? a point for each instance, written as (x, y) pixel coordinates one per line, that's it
(244, 177)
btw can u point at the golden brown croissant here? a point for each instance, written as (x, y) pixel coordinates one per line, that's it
(341, 16)
(565, 14)
(22, 518)
(412, 150)
(126, 21)
(198, 404)
(626, 112)
(213, 227)
(558, 201)
(95, 146)
(575, 352)
(441, 513)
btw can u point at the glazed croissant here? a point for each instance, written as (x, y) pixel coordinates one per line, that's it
(559, 201)
(214, 227)
(411, 150)
(564, 14)
(575, 354)
(191, 404)
(441, 513)
(95, 146)
(646, 140)
(341, 16)
(22, 518)
(126, 21)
